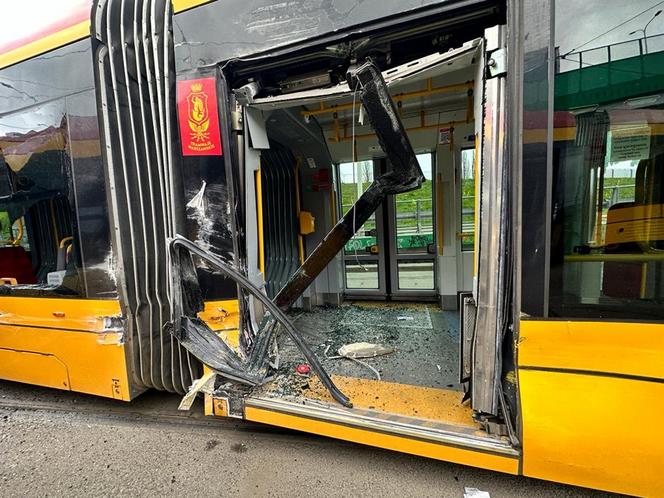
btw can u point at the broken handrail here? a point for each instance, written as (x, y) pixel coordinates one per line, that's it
(405, 175)
(181, 242)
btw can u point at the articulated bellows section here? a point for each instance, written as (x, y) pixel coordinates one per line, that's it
(281, 251)
(135, 77)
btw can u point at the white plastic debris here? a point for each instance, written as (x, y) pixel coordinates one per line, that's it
(205, 385)
(364, 350)
(475, 493)
(198, 201)
(404, 318)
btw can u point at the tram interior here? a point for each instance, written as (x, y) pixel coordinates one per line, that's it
(36, 242)
(396, 283)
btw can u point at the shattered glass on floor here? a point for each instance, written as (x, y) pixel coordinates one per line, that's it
(424, 339)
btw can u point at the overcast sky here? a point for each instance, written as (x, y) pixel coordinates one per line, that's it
(579, 21)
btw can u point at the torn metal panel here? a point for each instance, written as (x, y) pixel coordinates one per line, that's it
(113, 331)
(405, 175)
(426, 67)
(201, 341)
(259, 26)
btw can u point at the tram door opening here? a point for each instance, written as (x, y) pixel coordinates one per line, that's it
(391, 256)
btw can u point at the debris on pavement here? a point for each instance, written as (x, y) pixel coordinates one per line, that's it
(475, 493)
(205, 385)
(364, 350)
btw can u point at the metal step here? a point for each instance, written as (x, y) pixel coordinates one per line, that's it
(467, 437)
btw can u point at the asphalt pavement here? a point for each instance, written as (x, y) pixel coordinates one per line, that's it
(55, 443)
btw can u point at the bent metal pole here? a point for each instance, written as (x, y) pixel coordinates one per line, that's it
(405, 175)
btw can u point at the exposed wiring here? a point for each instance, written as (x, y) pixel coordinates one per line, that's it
(365, 364)
(357, 259)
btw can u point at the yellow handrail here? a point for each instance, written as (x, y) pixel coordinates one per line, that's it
(19, 237)
(65, 240)
(259, 220)
(430, 90)
(300, 240)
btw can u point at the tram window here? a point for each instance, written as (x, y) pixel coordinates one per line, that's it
(38, 250)
(6, 233)
(607, 234)
(467, 199)
(11, 231)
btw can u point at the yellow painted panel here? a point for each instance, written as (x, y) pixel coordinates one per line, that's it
(387, 441)
(621, 348)
(539, 135)
(78, 314)
(180, 5)
(593, 431)
(564, 134)
(259, 220)
(207, 399)
(55, 40)
(72, 331)
(33, 368)
(95, 366)
(223, 317)
(220, 408)
(68, 35)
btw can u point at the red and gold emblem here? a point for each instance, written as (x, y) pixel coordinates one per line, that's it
(199, 122)
(199, 116)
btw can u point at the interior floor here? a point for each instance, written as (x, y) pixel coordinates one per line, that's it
(419, 379)
(424, 338)
(411, 402)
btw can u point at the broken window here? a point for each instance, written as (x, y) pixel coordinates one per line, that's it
(55, 234)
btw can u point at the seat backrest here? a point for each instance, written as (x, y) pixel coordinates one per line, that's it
(16, 263)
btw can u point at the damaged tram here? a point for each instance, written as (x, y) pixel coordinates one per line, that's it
(431, 227)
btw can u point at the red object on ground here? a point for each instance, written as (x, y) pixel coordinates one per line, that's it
(303, 369)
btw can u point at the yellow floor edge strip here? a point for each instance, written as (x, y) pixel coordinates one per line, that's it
(508, 465)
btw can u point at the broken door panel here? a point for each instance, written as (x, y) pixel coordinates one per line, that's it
(493, 277)
(199, 339)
